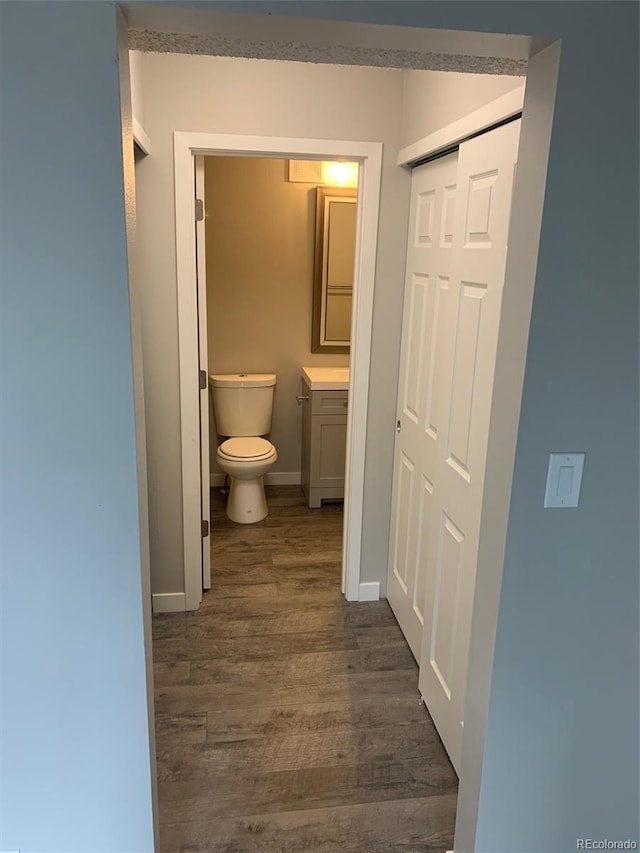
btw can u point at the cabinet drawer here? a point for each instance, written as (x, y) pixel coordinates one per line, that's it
(329, 402)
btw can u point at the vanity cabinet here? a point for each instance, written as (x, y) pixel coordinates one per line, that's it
(324, 442)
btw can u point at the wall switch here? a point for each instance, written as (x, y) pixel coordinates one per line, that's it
(563, 479)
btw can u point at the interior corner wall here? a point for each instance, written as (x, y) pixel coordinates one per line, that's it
(74, 733)
(222, 95)
(434, 99)
(258, 97)
(260, 240)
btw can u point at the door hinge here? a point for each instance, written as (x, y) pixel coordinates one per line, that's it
(199, 210)
(205, 528)
(203, 380)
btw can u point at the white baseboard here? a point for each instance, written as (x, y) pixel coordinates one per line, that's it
(369, 591)
(169, 602)
(273, 478)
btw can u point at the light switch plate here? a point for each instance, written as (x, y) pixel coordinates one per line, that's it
(564, 477)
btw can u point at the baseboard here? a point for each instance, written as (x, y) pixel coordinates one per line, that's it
(283, 478)
(369, 591)
(273, 478)
(168, 602)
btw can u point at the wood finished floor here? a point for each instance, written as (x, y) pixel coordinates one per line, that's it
(286, 718)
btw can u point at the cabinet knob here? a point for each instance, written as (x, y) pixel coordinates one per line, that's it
(398, 426)
(302, 398)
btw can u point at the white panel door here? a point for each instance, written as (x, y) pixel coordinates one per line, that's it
(201, 277)
(470, 321)
(422, 393)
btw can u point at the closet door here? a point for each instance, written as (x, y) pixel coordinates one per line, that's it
(423, 388)
(470, 321)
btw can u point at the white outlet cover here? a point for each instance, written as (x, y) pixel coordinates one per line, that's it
(564, 477)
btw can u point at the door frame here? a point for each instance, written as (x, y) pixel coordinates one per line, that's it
(186, 146)
(203, 358)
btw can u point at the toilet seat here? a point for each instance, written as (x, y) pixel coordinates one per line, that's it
(247, 448)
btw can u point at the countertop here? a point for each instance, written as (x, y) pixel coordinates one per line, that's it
(326, 378)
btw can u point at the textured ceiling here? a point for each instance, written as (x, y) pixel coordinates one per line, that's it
(210, 45)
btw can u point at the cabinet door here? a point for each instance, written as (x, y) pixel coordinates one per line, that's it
(328, 443)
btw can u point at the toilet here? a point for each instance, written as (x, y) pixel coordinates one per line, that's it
(243, 404)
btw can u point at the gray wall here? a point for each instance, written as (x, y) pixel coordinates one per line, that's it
(561, 759)
(75, 756)
(260, 233)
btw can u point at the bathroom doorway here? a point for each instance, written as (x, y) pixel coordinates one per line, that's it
(277, 268)
(187, 149)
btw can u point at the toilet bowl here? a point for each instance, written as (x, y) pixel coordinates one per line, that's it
(246, 460)
(243, 405)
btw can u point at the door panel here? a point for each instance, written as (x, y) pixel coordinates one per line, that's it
(464, 375)
(480, 231)
(422, 516)
(456, 255)
(435, 392)
(422, 397)
(447, 579)
(403, 515)
(412, 383)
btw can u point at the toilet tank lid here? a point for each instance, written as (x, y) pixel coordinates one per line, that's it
(242, 380)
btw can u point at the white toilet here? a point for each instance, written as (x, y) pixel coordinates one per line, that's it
(243, 403)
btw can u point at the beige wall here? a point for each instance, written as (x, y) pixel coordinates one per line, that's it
(434, 99)
(260, 244)
(222, 95)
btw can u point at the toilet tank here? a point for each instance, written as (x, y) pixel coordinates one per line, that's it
(242, 402)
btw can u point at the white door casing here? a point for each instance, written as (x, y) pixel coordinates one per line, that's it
(201, 283)
(187, 146)
(421, 395)
(456, 258)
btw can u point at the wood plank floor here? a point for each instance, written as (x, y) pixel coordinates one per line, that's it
(286, 718)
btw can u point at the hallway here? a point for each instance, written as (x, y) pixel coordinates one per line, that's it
(286, 718)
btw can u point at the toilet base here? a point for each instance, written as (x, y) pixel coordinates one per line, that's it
(246, 503)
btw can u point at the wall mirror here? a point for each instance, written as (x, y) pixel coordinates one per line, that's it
(333, 269)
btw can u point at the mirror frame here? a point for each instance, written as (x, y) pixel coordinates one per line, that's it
(319, 268)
